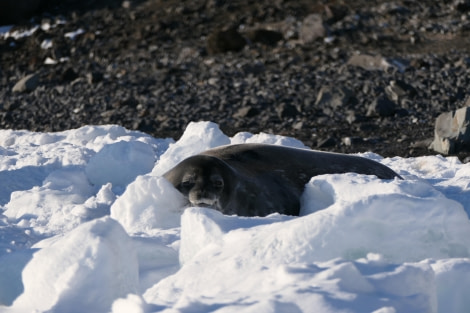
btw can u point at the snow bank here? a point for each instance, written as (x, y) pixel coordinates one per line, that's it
(51, 180)
(149, 203)
(62, 275)
(359, 231)
(401, 219)
(197, 137)
(245, 137)
(88, 225)
(238, 279)
(120, 163)
(453, 283)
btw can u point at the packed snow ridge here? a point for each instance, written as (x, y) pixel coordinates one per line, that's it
(87, 224)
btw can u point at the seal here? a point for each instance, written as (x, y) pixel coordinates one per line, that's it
(260, 179)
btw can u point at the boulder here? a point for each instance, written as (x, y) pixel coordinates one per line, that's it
(326, 143)
(330, 98)
(369, 62)
(399, 89)
(377, 62)
(264, 36)
(312, 28)
(27, 83)
(382, 107)
(286, 110)
(68, 75)
(452, 132)
(221, 41)
(461, 6)
(246, 111)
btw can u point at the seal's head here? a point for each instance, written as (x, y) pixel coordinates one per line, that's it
(203, 180)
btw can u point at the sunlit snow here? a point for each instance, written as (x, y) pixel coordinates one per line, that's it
(87, 224)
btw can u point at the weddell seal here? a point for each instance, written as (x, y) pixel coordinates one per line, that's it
(260, 179)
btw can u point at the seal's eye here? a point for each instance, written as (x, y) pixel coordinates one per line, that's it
(186, 184)
(219, 183)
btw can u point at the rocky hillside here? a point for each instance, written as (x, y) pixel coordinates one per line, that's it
(367, 76)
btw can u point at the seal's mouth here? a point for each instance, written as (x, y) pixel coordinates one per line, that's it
(204, 202)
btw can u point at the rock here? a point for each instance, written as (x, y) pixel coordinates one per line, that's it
(94, 77)
(151, 51)
(298, 125)
(27, 83)
(10, 106)
(68, 75)
(222, 41)
(286, 110)
(368, 62)
(188, 53)
(246, 111)
(326, 143)
(335, 13)
(332, 97)
(401, 112)
(288, 28)
(352, 116)
(126, 4)
(264, 36)
(350, 141)
(254, 68)
(377, 62)
(382, 107)
(451, 132)
(462, 5)
(399, 89)
(421, 143)
(312, 28)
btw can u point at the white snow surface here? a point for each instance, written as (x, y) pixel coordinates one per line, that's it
(87, 224)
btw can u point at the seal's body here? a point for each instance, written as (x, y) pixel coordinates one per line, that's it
(259, 179)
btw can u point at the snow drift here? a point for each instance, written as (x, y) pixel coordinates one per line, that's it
(88, 224)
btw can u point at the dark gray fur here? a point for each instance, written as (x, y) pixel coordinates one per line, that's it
(259, 179)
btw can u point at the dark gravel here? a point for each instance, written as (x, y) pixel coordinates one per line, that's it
(370, 76)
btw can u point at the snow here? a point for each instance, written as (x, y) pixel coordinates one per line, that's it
(87, 224)
(10, 31)
(5, 32)
(62, 268)
(46, 44)
(74, 34)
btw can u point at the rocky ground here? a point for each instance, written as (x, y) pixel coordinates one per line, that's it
(339, 75)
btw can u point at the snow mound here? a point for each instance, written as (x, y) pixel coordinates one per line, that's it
(87, 224)
(202, 136)
(356, 215)
(120, 163)
(249, 282)
(149, 203)
(285, 259)
(196, 138)
(245, 137)
(453, 283)
(51, 208)
(367, 214)
(98, 251)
